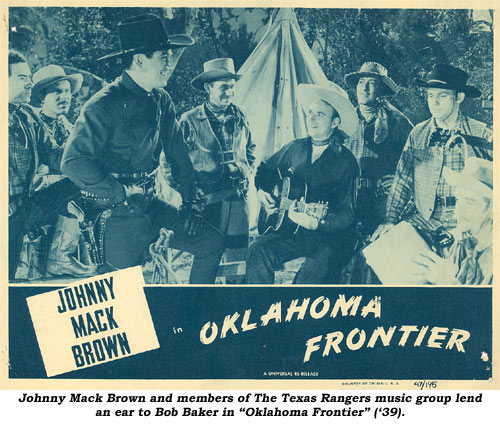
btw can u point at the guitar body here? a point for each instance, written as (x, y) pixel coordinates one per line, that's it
(289, 187)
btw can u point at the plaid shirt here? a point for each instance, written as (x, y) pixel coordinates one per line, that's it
(377, 160)
(419, 171)
(29, 145)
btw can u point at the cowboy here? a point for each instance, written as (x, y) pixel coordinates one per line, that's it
(377, 143)
(113, 153)
(52, 92)
(30, 208)
(470, 260)
(330, 171)
(220, 146)
(442, 140)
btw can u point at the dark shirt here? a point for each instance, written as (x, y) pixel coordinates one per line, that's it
(331, 178)
(123, 129)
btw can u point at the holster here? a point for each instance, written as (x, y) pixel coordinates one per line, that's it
(92, 231)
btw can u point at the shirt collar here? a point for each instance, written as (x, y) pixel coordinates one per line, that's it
(135, 88)
(458, 127)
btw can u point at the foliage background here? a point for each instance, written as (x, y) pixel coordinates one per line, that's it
(407, 42)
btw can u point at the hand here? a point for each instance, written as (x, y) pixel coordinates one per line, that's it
(436, 269)
(381, 230)
(134, 198)
(267, 201)
(301, 218)
(194, 218)
(386, 182)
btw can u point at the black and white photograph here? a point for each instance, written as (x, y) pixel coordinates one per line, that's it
(265, 194)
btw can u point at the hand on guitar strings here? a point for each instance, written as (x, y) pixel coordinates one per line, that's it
(301, 218)
(267, 201)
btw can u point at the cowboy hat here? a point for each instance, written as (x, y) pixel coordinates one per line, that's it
(334, 96)
(214, 70)
(146, 33)
(476, 177)
(450, 78)
(49, 75)
(373, 70)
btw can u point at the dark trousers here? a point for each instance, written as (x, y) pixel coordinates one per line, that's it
(269, 252)
(41, 209)
(128, 236)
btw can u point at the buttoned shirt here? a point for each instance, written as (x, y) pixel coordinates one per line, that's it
(122, 129)
(419, 171)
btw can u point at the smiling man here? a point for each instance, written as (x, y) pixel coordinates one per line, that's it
(330, 171)
(113, 154)
(220, 146)
(441, 141)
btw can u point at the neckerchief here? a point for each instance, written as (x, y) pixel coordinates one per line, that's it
(56, 127)
(379, 113)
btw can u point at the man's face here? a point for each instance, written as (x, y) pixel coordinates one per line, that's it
(442, 102)
(471, 210)
(220, 93)
(57, 99)
(20, 83)
(155, 69)
(367, 90)
(319, 120)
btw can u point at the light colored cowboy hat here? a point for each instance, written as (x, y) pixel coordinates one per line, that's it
(214, 70)
(48, 75)
(374, 70)
(146, 33)
(334, 96)
(476, 177)
(450, 78)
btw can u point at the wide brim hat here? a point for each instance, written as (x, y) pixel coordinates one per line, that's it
(476, 177)
(450, 78)
(215, 70)
(334, 96)
(373, 70)
(146, 33)
(49, 75)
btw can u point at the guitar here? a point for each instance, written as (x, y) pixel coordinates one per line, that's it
(284, 192)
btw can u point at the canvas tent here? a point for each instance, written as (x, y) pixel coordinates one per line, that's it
(270, 76)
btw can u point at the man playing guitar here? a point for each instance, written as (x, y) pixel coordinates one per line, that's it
(329, 171)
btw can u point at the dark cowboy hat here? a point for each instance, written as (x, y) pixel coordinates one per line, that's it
(147, 33)
(214, 70)
(374, 70)
(49, 75)
(450, 78)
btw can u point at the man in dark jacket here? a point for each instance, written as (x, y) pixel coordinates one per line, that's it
(330, 171)
(220, 146)
(114, 151)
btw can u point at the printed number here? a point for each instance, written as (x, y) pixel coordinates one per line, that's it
(425, 384)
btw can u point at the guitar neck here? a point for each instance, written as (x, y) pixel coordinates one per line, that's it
(286, 203)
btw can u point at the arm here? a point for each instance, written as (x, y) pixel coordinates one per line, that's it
(267, 171)
(176, 153)
(84, 149)
(402, 187)
(341, 214)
